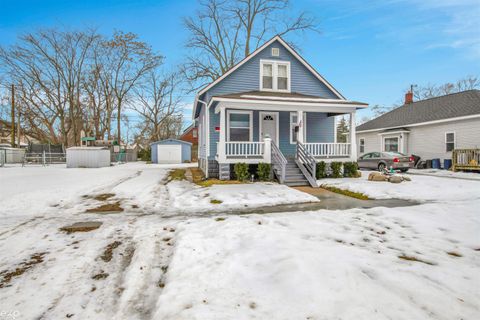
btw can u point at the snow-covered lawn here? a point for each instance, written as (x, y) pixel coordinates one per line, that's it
(421, 188)
(446, 173)
(169, 256)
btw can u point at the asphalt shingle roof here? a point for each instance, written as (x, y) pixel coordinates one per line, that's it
(453, 105)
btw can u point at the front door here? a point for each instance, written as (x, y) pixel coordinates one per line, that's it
(268, 125)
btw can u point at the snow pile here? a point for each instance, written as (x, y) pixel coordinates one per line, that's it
(421, 188)
(185, 197)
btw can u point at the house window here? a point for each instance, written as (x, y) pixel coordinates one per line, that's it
(275, 75)
(267, 77)
(390, 144)
(275, 52)
(239, 126)
(362, 145)
(293, 124)
(449, 141)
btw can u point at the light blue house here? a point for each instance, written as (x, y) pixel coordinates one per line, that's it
(271, 107)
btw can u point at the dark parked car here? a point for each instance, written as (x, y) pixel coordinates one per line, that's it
(385, 160)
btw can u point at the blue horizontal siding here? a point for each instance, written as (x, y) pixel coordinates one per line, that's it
(320, 128)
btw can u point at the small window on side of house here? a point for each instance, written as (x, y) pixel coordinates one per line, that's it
(275, 52)
(449, 141)
(391, 144)
(362, 145)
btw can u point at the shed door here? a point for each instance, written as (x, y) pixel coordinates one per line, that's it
(169, 153)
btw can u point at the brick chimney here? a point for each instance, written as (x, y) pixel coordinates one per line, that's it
(408, 97)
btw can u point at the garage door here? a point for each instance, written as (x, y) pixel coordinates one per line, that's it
(169, 153)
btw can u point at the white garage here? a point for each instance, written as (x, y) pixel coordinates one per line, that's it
(171, 151)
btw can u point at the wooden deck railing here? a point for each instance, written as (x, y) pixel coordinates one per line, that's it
(466, 159)
(328, 150)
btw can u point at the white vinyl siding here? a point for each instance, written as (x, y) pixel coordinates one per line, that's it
(428, 141)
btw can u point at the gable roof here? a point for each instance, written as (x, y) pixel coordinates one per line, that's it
(170, 140)
(253, 54)
(455, 105)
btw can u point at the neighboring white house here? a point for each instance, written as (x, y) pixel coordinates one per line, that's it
(429, 128)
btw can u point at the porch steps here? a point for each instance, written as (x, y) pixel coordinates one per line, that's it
(293, 175)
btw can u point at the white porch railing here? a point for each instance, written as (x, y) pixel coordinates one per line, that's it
(244, 149)
(328, 149)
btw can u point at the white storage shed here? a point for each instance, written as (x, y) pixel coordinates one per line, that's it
(88, 157)
(171, 151)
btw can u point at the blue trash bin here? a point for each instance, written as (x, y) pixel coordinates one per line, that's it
(447, 164)
(436, 163)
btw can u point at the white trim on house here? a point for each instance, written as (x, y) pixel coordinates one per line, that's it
(275, 64)
(252, 96)
(473, 116)
(454, 140)
(286, 106)
(393, 132)
(266, 44)
(250, 121)
(260, 120)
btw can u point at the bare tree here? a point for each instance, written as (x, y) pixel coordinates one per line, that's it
(225, 31)
(433, 90)
(46, 68)
(159, 106)
(129, 60)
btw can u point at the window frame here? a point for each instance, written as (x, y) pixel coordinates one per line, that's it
(361, 145)
(304, 120)
(398, 144)
(250, 121)
(454, 140)
(275, 64)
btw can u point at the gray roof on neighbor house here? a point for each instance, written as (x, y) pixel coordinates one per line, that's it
(453, 105)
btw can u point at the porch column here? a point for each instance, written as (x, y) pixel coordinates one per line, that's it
(353, 138)
(301, 126)
(267, 150)
(221, 141)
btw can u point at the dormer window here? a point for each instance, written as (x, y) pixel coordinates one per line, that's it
(275, 75)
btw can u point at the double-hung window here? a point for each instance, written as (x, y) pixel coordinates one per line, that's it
(362, 145)
(275, 75)
(391, 144)
(449, 141)
(239, 126)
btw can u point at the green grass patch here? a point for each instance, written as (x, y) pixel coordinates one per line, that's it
(348, 193)
(215, 201)
(177, 174)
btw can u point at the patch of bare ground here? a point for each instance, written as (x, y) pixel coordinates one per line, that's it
(108, 207)
(415, 259)
(103, 196)
(454, 254)
(100, 276)
(82, 227)
(7, 276)
(108, 252)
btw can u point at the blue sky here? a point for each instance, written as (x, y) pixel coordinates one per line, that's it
(369, 50)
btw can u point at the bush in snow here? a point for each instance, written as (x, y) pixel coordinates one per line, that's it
(241, 171)
(321, 170)
(350, 169)
(336, 169)
(263, 171)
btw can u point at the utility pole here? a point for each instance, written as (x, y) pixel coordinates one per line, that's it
(12, 123)
(18, 127)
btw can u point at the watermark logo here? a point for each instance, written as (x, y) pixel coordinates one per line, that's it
(9, 314)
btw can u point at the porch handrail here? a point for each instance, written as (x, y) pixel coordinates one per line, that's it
(244, 149)
(279, 161)
(307, 164)
(328, 149)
